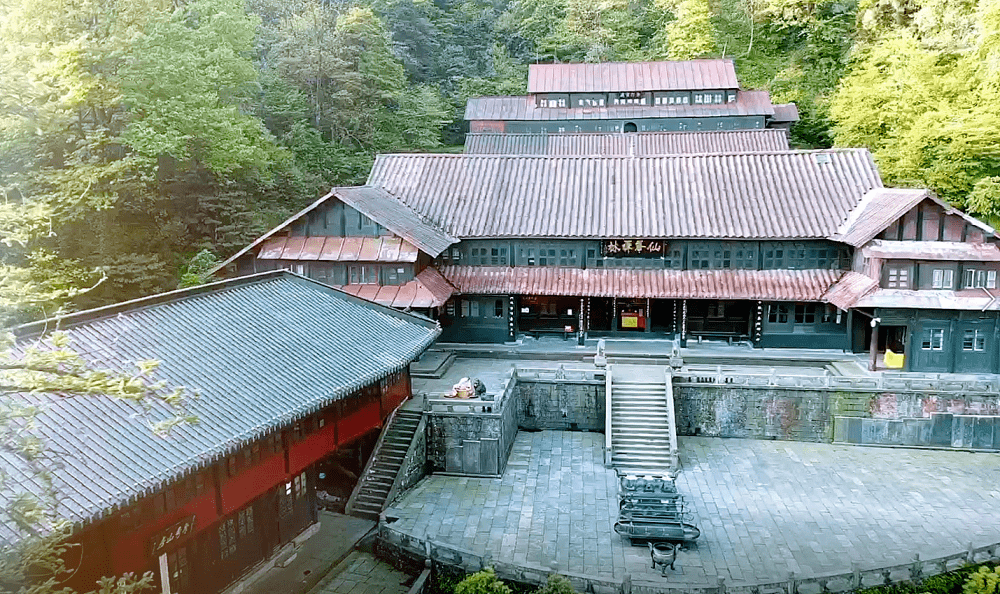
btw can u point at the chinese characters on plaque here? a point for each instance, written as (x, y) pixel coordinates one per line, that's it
(166, 537)
(631, 248)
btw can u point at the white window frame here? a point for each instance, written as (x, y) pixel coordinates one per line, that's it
(978, 342)
(934, 340)
(943, 278)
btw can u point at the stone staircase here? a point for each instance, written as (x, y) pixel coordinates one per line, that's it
(643, 436)
(373, 488)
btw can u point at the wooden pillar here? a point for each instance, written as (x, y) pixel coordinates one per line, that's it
(675, 323)
(684, 322)
(951, 343)
(873, 346)
(649, 316)
(850, 331)
(758, 324)
(614, 314)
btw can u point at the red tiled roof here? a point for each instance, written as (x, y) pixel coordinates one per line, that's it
(338, 249)
(849, 289)
(632, 76)
(876, 211)
(428, 289)
(522, 108)
(769, 285)
(639, 144)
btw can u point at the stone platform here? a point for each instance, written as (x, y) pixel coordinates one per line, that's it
(765, 508)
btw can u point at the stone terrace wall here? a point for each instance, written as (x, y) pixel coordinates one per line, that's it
(560, 399)
(718, 403)
(760, 413)
(472, 436)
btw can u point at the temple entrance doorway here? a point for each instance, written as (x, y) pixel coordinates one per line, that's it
(717, 319)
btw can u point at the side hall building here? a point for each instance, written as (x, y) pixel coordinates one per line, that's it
(283, 372)
(782, 249)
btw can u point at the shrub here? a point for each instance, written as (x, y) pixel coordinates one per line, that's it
(482, 582)
(558, 584)
(983, 581)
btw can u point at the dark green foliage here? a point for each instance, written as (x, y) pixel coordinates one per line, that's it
(482, 582)
(985, 580)
(557, 584)
(951, 582)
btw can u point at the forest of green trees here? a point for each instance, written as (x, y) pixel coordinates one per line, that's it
(143, 140)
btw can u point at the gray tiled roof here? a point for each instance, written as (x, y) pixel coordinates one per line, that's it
(616, 144)
(522, 109)
(780, 195)
(395, 216)
(261, 351)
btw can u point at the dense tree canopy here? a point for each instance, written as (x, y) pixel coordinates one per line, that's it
(135, 134)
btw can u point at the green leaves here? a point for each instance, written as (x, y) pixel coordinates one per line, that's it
(692, 34)
(921, 95)
(184, 81)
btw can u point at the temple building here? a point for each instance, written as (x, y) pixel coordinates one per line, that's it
(713, 235)
(280, 372)
(698, 95)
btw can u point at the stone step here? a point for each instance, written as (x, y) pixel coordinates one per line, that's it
(658, 449)
(640, 459)
(372, 494)
(640, 398)
(616, 385)
(655, 437)
(647, 422)
(638, 411)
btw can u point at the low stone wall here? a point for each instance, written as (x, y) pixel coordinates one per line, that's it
(759, 413)
(560, 399)
(803, 409)
(939, 430)
(396, 546)
(474, 437)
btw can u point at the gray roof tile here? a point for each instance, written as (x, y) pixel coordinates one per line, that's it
(260, 351)
(780, 195)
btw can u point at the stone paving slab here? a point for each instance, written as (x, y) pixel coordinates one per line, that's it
(764, 508)
(362, 573)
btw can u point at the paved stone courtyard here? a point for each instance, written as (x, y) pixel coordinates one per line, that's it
(362, 573)
(764, 508)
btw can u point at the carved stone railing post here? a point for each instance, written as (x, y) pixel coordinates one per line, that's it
(916, 569)
(626, 584)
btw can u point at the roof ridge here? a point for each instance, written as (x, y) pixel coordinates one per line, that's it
(789, 152)
(97, 313)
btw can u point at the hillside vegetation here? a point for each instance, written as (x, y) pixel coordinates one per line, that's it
(137, 134)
